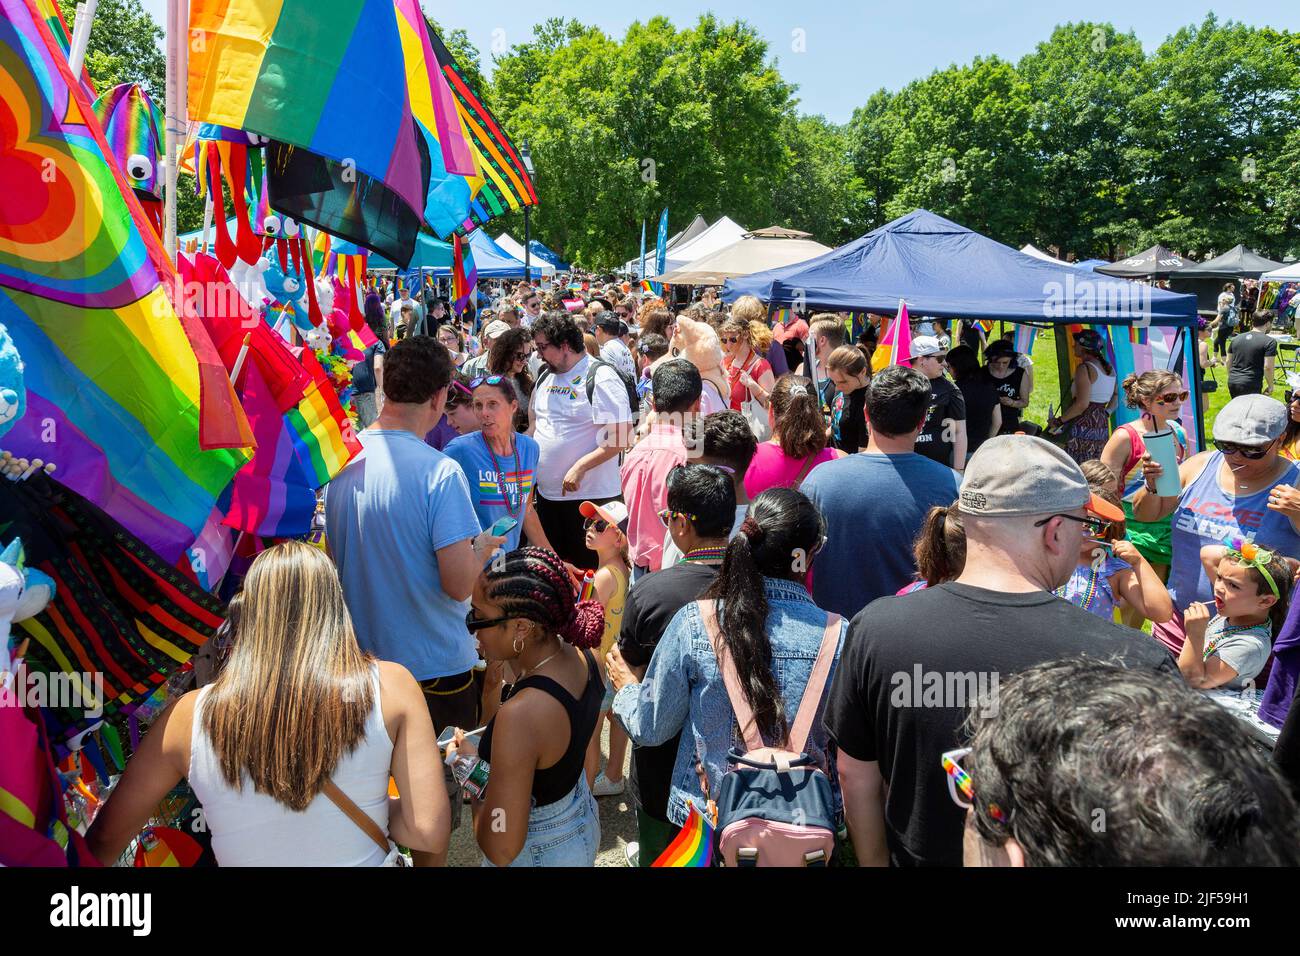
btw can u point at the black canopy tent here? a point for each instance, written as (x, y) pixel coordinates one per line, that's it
(1205, 280)
(1154, 263)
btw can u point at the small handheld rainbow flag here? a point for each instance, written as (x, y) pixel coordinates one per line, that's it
(692, 847)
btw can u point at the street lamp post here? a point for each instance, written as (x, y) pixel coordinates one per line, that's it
(527, 158)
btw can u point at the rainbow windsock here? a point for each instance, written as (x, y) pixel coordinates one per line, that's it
(895, 347)
(325, 75)
(692, 847)
(124, 395)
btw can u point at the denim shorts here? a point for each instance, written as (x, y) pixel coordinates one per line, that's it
(563, 833)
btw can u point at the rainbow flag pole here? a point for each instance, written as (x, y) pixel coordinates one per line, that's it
(692, 847)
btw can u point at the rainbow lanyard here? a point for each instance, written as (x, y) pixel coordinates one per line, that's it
(512, 503)
(1089, 590)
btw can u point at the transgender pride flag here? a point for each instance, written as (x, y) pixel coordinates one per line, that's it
(895, 348)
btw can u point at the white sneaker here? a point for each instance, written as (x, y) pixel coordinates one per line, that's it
(633, 853)
(604, 787)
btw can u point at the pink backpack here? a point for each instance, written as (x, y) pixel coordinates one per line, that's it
(775, 806)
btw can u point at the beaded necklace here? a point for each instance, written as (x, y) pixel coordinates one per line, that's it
(1230, 629)
(704, 554)
(512, 504)
(1089, 590)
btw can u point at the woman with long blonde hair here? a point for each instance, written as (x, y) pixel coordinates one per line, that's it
(290, 750)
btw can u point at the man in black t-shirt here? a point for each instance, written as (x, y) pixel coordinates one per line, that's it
(898, 702)
(1251, 357)
(702, 506)
(943, 436)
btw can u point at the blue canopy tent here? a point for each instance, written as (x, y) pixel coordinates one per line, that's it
(539, 251)
(945, 270)
(433, 257)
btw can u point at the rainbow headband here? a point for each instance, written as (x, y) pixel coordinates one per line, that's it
(1247, 552)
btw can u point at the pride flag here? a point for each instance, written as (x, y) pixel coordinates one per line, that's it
(464, 274)
(325, 75)
(124, 395)
(895, 347)
(693, 846)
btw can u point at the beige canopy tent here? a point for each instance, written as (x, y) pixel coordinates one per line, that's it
(756, 251)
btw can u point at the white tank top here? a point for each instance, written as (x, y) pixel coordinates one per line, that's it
(1103, 388)
(254, 829)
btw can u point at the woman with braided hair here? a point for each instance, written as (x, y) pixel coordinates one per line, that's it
(758, 614)
(534, 807)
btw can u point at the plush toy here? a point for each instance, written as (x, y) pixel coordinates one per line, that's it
(24, 592)
(13, 396)
(698, 343)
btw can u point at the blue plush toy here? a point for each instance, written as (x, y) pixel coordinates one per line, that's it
(13, 396)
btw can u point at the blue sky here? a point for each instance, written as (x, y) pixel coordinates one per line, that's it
(854, 48)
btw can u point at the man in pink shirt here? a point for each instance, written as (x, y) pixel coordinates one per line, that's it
(676, 387)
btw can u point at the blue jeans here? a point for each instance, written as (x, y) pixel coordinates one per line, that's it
(563, 833)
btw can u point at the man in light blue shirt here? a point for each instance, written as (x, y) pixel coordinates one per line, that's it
(875, 502)
(403, 533)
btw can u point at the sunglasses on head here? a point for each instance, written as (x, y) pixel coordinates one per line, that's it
(668, 515)
(1245, 451)
(486, 380)
(1172, 398)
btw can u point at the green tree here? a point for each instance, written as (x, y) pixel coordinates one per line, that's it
(1083, 81)
(125, 46)
(820, 191)
(689, 119)
(870, 136)
(1217, 102)
(961, 144)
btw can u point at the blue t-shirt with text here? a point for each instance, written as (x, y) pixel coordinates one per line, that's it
(496, 487)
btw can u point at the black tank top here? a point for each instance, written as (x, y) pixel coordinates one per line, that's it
(556, 781)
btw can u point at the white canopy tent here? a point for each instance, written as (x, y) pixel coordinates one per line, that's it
(1289, 273)
(718, 236)
(697, 228)
(1030, 249)
(756, 251)
(508, 244)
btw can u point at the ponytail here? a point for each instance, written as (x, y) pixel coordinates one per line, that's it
(777, 539)
(800, 428)
(940, 548)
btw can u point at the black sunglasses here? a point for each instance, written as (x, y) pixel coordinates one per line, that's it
(1245, 451)
(474, 626)
(1097, 526)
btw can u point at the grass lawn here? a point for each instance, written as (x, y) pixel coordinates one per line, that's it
(1047, 383)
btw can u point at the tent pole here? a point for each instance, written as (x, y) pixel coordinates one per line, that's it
(1065, 379)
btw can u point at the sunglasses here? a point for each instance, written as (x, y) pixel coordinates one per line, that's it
(521, 356)
(1245, 451)
(598, 524)
(486, 380)
(474, 625)
(1097, 526)
(668, 515)
(1172, 398)
(729, 340)
(960, 787)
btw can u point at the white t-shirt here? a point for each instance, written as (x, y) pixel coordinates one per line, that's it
(615, 353)
(569, 427)
(711, 400)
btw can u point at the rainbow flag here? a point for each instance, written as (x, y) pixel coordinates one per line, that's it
(464, 274)
(692, 847)
(505, 184)
(1139, 334)
(323, 436)
(123, 394)
(895, 347)
(781, 315)
(323, 75)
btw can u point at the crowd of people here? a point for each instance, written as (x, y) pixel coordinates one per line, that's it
(674, 525)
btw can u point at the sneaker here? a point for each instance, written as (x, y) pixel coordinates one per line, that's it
(633, 853)
(604, 787)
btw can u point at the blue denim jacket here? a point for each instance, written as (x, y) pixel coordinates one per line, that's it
(683, 691)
